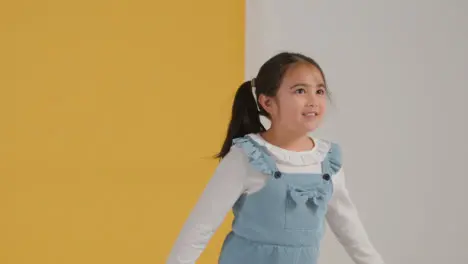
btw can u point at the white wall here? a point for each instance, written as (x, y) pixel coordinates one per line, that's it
(399, 72)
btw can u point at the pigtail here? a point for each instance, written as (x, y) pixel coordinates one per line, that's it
(245, 117)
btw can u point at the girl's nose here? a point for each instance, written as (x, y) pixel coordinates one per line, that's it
(312, 104)
(312, 101)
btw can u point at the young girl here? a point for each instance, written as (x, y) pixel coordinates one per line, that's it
(281, 183)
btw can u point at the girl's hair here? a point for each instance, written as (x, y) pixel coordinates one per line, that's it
(245, 117)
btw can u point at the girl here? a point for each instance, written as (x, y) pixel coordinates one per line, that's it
(281, 183)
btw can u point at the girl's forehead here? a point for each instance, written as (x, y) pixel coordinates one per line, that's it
(302, 73)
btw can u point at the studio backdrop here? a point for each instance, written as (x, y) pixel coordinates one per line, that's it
(111, 112)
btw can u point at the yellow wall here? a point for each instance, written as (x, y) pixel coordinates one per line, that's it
(109, 112)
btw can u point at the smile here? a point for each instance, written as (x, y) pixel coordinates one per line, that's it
(310, 114)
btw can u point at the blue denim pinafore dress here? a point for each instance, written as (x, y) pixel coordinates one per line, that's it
(283, 223)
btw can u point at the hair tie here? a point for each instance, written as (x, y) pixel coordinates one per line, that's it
(252, 83)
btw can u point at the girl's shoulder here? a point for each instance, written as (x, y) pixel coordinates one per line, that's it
(334, 156)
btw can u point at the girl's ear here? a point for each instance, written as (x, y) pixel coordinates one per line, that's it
(266, 103)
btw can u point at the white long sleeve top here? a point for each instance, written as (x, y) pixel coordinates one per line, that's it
(234, 177)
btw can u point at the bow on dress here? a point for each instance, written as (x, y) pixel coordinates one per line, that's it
(304, 195)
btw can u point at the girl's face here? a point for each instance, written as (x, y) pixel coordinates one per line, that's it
(300, 103)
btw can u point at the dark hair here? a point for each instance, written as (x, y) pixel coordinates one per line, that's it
(245, 117)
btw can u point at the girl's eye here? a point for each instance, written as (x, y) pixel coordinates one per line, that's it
(300, 91)
(321, 91)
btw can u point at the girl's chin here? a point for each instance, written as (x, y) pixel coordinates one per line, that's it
(311, 126)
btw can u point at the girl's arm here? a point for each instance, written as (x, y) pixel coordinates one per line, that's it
(220, 194)
(345, 223)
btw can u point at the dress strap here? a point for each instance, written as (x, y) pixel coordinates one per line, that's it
(332, 162)
(258, 156)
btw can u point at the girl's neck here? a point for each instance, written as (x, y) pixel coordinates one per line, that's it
(288, 140)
